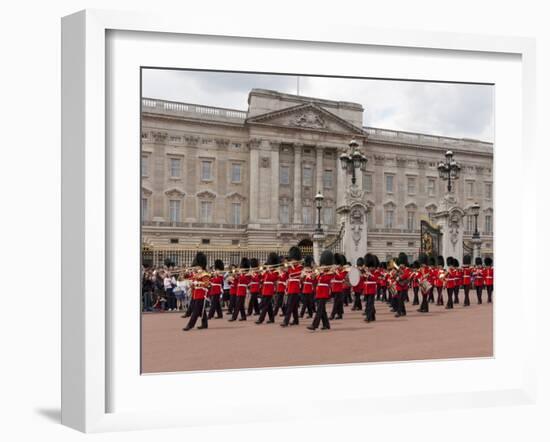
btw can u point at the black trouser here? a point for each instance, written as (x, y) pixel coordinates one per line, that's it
(369, 308)
(337, 306)
(394, 302)
(346, 297)
(424, 305)
(321, 314)
(239, 308)
(431, 295)
(357, 305)
(457, 301)
(406, 299)
(490, 293)
(401, 303)
(232, 302)
(479, 291)
(467, 294)
(415, 298)
(450, 292)
(198, 311)
(189, 308)
(215, 307)
(292, 309)
(439, 296)
(253, 304)
(279, 299)
(225, 297)
(307, 304)
(266, 307)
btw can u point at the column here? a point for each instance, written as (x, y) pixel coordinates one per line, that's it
(275, 182)
(319, 169)
(341, 183)
(297, 217)
(254, 171)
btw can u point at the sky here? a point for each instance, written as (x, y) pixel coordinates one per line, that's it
(453, 110)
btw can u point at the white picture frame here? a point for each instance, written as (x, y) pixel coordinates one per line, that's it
(87, 212)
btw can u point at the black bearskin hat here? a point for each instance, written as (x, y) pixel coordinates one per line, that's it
(254, 263)
(402, 259)
(295, 254)
(416, 265)
(308, 261)
(360, 262)
(457, 263)
(272, 259)
(466, 260)
(337, 258)
(440, 261)
(450, 261)
(327, 258)
(245, 263)
(376, 261)
(218, 264)
(199, 261)
(488, 261)
(422, 259)
(383, 265)
(431, 261)
(369, 260)
(479, 261)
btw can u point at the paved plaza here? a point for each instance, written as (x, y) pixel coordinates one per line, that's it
(462, 332)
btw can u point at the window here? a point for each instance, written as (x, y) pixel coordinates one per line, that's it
(206, 170)
(284, 175)
(410, 220)
(205, 240)
(328, 216)
(410, 244)
(174, 240)
(144, 209)
(411, 185)
(367, 183)
(488, 223)
(469, 189)
(470, 223)
(307, 215)
(431, 187)
(144, 165)
(175, 168)
(284, 213)
(307, 178)
(327, 179)
(174, 206)
(370, 222)
(236, 170)
(389, 244)
(388, 219)
(206, 211)
(488, 191)
(235, 242)
(389, 183)
(236, 213)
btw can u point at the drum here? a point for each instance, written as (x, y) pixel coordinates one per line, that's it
(425, 286)
(353, 276)
(393, 290)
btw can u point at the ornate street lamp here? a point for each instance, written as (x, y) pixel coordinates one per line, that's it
(319, 204)
(475, 211)
(449, 170)
(353, 159)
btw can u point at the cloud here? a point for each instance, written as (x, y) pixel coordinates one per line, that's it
(455, 110)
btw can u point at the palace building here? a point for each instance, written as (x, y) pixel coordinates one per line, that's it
(215, 177)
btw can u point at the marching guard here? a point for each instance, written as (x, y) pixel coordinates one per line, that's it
(243, 279)
(370, 287)
(450, 281)
(425, 283)
(215, 291)
(439, 279)
(269, 280)
(322, 291)
(281, 288)
(488, 278)
(294, 286)
(402, 279)
(415, 277)
(477, 275)
(337, 287)
(200, 286)
(308, 301)
(254, 288)
(466, 278)
(359, 288)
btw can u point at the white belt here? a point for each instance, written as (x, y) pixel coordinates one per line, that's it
(268, 282)
(293, 279)
(321, 284)
(242, 285)
(308, 283)
(216, 285)
(371, 282)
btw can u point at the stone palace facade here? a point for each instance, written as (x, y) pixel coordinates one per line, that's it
(217, 177)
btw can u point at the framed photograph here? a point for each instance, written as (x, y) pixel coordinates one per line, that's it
(285, 207)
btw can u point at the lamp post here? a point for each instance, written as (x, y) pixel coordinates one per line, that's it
(353, 159)
(476, 240)
(449, 170)
(319, 204)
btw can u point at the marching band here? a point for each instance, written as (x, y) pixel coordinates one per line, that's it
(287, 283)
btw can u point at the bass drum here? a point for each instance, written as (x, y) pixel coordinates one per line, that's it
(353, 277)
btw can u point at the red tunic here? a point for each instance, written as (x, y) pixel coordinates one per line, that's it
(381, 277)
(309, 281)
(337, 285)
(254, 285)
(281, 282)
(488, 275)
(466, 275)
(200, 286)
(294, 282)
(216, 284)
(322, 290)
(404, 278)
(369, 288)
(233, 286)
(437, 276)
(269, 280)
(477, 274)
(415, 277)
(451, 276)
(242, 285)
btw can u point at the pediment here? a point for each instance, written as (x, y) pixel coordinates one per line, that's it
(236, 196)
(306, 116)
(206, 194)
(175, 193)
